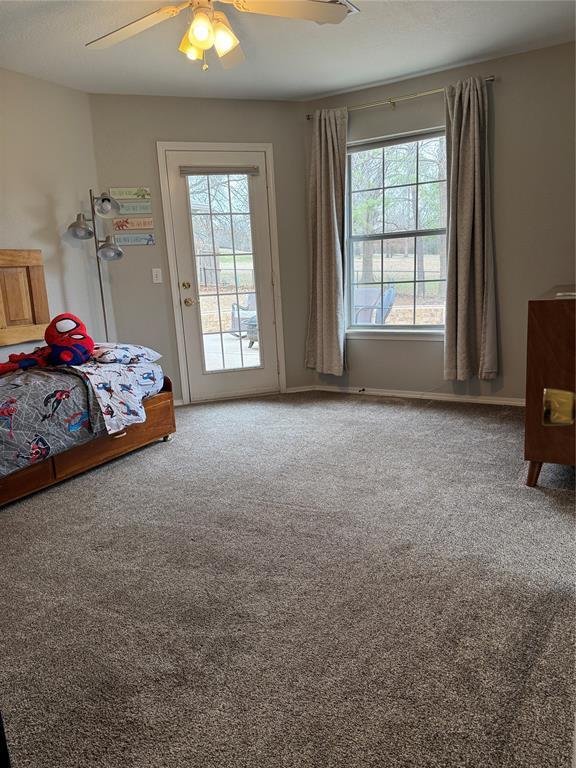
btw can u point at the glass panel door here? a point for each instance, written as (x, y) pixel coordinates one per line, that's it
(219, 218)
(221, 229)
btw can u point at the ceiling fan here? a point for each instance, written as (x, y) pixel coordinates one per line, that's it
(210, 28)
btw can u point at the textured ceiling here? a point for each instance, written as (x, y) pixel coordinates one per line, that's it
(285, 59)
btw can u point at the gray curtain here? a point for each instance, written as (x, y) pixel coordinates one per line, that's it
(326, 323)
(471, 341)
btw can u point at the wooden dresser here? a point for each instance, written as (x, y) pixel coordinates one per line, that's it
(550, 381)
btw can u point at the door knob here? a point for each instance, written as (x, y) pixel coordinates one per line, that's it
(186, 284)
(188, 302)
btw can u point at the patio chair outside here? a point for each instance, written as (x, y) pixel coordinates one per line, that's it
(243, 316)
(371, 307)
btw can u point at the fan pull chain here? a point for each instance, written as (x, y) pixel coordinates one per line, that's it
(204, 62)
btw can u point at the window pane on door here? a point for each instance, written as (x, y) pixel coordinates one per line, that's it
(202, 232)
(242, 233)
(219, 194)
(212, 343)
(239, 195)
(222, 230)
(199, 196)
(245, 272)
(222, 237)
(207, 274)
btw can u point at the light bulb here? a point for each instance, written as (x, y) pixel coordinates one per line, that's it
(201, 32)
(224, 38)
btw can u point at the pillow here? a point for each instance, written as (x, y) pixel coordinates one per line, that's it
(128, 354)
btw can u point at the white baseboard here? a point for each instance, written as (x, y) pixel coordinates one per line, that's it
(407, 393)
(293, 390)
(224, 398)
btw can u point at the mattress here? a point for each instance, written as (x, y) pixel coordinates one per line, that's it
(45, 411)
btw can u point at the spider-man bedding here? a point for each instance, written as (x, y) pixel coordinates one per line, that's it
(44, 411)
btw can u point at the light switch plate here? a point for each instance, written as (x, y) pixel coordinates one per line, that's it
(157, 275)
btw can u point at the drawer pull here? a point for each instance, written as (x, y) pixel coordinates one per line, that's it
(558, 407)
(120, 434)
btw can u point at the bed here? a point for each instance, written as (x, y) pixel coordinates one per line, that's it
(53, 421)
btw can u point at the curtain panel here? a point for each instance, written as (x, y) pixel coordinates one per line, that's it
(471, 335)
(326, 205)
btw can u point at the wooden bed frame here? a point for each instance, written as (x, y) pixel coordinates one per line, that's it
(159, 425)
(23, 317)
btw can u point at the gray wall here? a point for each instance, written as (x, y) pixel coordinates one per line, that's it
(47, 166)
(533, 162)
(126, 130)
(533, 201)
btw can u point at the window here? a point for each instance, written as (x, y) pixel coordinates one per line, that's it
(397, 233)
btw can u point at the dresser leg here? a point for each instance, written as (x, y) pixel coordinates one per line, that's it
(534, 468)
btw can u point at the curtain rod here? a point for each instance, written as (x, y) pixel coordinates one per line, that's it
(407, 97)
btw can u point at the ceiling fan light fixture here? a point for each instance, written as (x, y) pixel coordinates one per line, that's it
(189, 50)
(224, 38)
(194, 54)
(201, 32)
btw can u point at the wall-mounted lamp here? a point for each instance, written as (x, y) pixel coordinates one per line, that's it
(105, 207)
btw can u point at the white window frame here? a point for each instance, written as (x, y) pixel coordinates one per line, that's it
(398, 332)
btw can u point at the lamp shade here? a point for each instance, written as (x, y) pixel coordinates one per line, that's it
(80, 229)
(189, 50)
(106, 207)
(201, 31)
(224, 38)
(109, 251)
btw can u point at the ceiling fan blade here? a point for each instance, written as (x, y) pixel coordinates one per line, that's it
(233, 59)
(135, 27)
(311, 10)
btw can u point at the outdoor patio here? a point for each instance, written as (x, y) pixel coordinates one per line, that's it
(237, 353)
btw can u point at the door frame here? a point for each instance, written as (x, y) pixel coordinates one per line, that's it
(170, 146)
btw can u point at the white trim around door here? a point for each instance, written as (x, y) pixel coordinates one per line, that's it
(163, 147)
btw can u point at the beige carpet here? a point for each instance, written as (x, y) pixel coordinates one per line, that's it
(295, 582)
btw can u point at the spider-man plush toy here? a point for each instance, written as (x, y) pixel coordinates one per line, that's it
(69, 344)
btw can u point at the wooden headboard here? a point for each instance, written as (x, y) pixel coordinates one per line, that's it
(24, 312)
